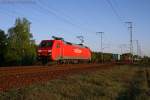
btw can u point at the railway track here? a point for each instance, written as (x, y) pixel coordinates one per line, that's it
(17, 77)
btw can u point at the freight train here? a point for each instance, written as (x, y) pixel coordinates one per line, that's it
(60, 51)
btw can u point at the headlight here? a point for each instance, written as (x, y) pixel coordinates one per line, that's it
(39, 50)
(49, 50)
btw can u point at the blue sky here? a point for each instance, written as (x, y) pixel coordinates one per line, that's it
(71, 18)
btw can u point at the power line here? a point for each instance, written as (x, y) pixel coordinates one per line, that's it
(114, 10)
(18, 14)
(54, 14)
(55, 10)
(129, 23)
(67, 19)
(47, 11)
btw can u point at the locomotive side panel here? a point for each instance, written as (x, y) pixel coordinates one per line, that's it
(57, 50)
(72, 51)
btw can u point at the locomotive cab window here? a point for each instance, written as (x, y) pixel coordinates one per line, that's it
(46, 44)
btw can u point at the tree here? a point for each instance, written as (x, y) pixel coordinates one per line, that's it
(3, 46)
(21, 49)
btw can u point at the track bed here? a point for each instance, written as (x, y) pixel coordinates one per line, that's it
(17, 77)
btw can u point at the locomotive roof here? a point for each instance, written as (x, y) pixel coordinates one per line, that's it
(60, 38)
(69, 43)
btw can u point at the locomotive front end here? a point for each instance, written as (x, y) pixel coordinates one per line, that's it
(44, 51)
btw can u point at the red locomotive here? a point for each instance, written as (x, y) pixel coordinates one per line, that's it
(62, 51)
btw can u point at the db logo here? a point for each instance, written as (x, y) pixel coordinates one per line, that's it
(77, 51)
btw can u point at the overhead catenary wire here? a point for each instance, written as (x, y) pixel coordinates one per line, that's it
(118, 16)
(18, 14)
(65, 18)
(54, 10)
(121, 20)
(42, 9)
(54, 14)
(115, 11)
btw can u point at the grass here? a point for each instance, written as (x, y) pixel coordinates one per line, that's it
(119, 83)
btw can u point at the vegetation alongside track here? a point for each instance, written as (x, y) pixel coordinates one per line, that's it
(118, 83)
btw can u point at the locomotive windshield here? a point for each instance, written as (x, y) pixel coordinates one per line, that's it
(46, 44)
